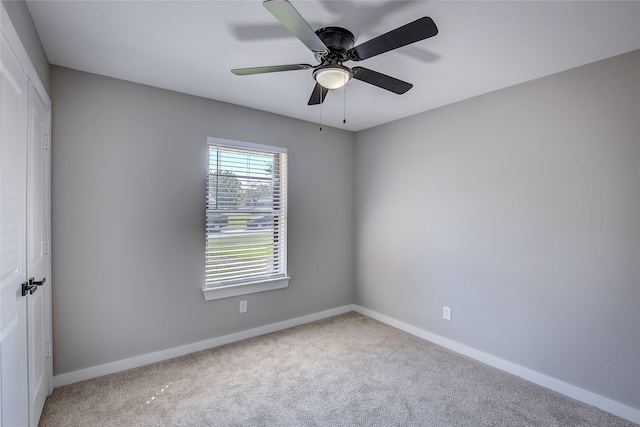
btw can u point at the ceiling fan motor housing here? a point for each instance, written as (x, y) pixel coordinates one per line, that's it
(338, 40)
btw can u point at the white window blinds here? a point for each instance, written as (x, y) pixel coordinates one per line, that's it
(246, 198)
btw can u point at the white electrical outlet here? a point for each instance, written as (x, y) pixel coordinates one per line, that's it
(446, 313)
(243, 306)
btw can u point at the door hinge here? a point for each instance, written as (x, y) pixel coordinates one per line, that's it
(47, 350)
(47, 142)
(46, 247)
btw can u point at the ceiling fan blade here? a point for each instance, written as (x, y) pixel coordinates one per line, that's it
(412, 32)
(318, 95)
(270, 69)
(290, 18)
(381, 80)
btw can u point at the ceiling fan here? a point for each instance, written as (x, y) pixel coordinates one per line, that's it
(332, 46)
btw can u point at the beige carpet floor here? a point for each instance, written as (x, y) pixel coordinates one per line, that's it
(347, 370)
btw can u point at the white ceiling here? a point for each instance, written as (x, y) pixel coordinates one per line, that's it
(191, 46)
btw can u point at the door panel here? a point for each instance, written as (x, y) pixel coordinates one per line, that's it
(38, 378)
(13, 306)
(37, 256)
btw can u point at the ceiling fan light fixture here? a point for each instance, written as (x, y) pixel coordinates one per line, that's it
(332, 76)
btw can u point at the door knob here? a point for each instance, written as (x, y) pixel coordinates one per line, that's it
(27, 288)
(40, 283)
(31, 286)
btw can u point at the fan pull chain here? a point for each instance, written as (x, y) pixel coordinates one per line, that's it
(320, 108)
(344, 104)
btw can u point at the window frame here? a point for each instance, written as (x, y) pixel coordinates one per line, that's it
(250, 286)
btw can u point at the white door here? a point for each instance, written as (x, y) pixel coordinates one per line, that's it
(13, 305)
(38, 260)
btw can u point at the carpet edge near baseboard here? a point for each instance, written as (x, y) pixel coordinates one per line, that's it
(158, 356)
(616, 408)
(585, 396)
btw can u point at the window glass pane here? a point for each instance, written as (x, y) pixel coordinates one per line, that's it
(246, 215)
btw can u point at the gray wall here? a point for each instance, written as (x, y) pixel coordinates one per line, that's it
(520, 210)
(21, 19)
(129, 168)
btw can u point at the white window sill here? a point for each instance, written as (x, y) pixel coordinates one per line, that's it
(235, 290)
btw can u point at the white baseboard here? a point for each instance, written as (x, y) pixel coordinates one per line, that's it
(590, 398)
(145, 359)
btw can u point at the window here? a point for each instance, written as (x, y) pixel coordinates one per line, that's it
(246, 227)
